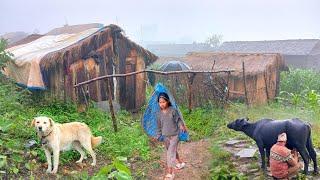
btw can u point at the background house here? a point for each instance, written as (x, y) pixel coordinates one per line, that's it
(262, 76)
(298, 53)
(178, 50)
(13, 37)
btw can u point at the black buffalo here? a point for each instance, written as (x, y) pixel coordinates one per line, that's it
(265, 132)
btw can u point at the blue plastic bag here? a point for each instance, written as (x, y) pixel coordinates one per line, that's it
(149, 119)
(183, 136)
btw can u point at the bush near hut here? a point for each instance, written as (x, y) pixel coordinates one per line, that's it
(5, 57)
(301, 88)
(298, 81)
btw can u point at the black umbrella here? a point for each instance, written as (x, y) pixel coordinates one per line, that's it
(174, 66)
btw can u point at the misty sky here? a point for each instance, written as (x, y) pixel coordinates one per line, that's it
(180, 21)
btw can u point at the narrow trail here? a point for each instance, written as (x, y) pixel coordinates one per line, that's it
(197, 157)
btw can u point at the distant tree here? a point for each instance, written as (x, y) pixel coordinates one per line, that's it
(214, 40)
(5, 57)
(36, 31)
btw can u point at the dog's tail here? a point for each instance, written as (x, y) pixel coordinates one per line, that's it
(95, 141)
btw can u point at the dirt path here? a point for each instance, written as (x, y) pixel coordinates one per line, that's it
(197, 157)
(71, 168)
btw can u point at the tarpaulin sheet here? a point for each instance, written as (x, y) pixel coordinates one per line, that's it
(27, 57)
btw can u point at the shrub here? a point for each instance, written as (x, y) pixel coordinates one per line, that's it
(298, 81)
(5, 57)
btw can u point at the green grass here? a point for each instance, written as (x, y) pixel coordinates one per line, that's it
(17, 111)
(202, 122)
(129, 141)
(222, 167)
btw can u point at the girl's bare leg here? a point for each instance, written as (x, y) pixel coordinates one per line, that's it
(178, 158)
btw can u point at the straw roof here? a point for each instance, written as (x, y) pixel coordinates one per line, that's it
(254, 62)
(89, 46)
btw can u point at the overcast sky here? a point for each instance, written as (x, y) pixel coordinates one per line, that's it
(180, 21)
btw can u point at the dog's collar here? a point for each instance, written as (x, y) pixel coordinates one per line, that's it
(43, 138)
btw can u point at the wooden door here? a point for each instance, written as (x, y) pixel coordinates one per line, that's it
(130, 102)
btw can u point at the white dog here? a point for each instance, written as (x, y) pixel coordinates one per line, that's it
(62, 137)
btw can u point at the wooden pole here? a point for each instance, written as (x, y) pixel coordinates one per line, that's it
(266, 85)
(214, 62)
(228, 91)
(190, 84)
(85, 96)
(113, 117)
(146, 71)
(245, 84)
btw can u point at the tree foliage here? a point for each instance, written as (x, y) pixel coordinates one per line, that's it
(5, 57)
(214, 40)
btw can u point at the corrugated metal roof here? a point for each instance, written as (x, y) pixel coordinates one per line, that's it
(178, 50)
(288, 47)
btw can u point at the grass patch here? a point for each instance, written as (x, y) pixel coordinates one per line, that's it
(17, 112)
(222, 167)
(202, 122)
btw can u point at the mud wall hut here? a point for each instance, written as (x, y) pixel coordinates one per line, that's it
(262, 74)
(90, 52)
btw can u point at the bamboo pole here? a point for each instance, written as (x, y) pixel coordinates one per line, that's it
(113, 117)
(150, 71)
(245, 84)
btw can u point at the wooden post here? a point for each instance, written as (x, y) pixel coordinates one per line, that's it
(190, 80)
(190, 97)
(266, 85)
(85, 96)
(113, 117)
(214, 62)
(245, 84)
(228, 79)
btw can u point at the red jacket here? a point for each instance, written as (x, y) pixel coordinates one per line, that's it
(279, 157)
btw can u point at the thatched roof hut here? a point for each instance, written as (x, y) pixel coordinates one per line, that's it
(262, 72)
(101, 51)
